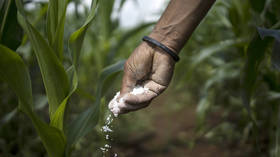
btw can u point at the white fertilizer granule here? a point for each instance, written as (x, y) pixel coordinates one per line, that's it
(106, 129)
(138, 90)
(114, 104)
(114, 108)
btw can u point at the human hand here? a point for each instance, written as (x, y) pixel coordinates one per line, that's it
(148, 67)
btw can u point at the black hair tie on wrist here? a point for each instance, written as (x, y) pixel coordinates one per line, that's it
(163, 47)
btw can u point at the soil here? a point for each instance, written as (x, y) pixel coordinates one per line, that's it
(175, 136)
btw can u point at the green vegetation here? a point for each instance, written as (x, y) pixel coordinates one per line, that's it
(60, 82)
(63, 69)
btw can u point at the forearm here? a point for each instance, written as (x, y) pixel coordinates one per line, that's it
(179, 21)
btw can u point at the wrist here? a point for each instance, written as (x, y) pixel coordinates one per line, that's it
(170, 40)
(159, 45)
(157, 52)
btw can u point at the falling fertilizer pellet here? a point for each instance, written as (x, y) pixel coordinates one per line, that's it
(114, 107)
(106, 129)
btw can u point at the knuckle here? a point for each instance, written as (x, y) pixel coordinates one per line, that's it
(127, 66)
(161, 89)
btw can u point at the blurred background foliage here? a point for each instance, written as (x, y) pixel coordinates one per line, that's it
(223, 99)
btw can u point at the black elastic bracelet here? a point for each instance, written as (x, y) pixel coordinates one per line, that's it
(163, 47)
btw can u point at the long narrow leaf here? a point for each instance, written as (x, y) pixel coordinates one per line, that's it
(76, 41)
(255, 55)
(275, 57)
(52, 19)
(55, 25)
(208, 51)
(57, 118)
(54, 76)
(77, 38)
(104, 18)
(10, 31)
(52, 138)
(15, 73)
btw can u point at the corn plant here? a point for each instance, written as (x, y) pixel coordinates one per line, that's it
(240, 63)
(60, 82)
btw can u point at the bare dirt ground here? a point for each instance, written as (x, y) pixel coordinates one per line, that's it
(174, 137)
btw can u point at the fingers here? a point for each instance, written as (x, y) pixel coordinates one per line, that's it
(129, 80)
(119, 105)
(132, 102)
(151, 90)
(129, 108)
(145, 97)
(154, 87)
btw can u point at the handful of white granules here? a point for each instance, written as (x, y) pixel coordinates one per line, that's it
(114, 105)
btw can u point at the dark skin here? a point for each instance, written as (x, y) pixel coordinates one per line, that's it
(150, 66)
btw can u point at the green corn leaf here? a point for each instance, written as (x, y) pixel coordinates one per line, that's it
(82, 125)
(255, 55)
(52, 138)
(10, 31)
(208, 51)
(104, 18)
(203, 108)
(15, 73)
(87, 120)
(77, 38)
(227, 71)
(41, 16)
(57, 45)
(1, 4)
(106, 78)
(40, 102)
(55, 25)
(54, 76)
(57, 118)
(275, 57)
(52, 20)
(7, 118)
